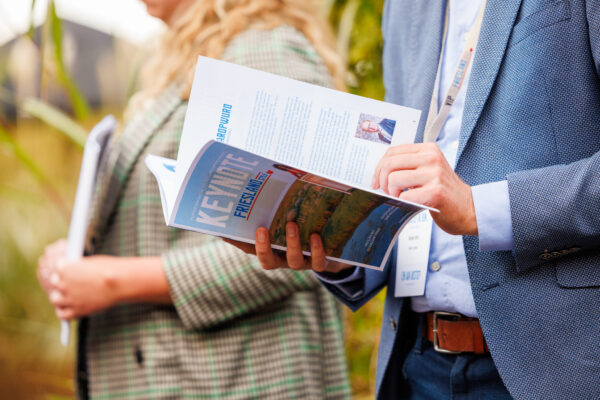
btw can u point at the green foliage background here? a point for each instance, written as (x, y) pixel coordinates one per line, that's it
(39, 164)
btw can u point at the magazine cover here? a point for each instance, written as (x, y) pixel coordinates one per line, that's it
(229, 192)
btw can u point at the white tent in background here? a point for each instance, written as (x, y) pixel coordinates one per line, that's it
(126, 19)
(100, 44)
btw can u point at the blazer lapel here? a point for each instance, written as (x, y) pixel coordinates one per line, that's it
(497, 26)
(123, 157)
(425, 27)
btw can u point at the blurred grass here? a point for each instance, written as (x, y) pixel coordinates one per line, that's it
(33, 365)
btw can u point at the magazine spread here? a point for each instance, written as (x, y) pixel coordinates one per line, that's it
(259, 149)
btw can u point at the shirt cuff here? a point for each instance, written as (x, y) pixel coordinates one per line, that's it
(350, 285)
(492, 210)
(340, 277)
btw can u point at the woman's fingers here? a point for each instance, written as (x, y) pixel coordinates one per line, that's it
(264, 253)
(247, 248)
(43, 272)
(65, 313)
(57, 249)
(58, 299)
(294, 256)
(317, 259)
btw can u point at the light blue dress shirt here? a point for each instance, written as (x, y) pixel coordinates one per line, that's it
(447, 287)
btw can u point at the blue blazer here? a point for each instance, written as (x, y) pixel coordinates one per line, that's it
(532, 117)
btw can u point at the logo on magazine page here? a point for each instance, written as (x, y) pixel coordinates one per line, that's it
(410, 275)
(250, 194)
(223, 122)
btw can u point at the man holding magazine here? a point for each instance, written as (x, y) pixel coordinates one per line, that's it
(510, 93)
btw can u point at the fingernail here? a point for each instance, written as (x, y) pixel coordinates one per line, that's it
(54, 279)
(261, 236)
(315, 242)
(54, 295)
(291, 231)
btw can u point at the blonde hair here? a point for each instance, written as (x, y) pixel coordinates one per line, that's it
(205, 27)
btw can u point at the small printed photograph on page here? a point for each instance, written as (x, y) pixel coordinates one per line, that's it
(375, 129)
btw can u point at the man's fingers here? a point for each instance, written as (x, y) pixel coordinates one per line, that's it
(295, 258)
(318, 261)
(379, 167)
(264, 253)
(398, 181)
(422, 195)
(408, 156)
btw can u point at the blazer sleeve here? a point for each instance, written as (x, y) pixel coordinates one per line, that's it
(363, 288)
(213, 282)
(562, 219)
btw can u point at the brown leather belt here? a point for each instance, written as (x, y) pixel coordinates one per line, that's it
(453, 333)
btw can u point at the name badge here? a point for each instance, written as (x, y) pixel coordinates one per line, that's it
(413, 256)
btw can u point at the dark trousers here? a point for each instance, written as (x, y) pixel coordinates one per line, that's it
(433, 375)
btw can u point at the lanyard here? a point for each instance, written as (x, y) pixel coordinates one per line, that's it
(435, 118)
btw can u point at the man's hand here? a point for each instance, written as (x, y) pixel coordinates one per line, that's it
(293, 257)
(421, 174)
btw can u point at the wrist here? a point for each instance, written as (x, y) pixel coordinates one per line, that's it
(112, 279)
(471, 228)
(137, 280)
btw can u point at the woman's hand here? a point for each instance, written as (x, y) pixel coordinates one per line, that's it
(95, 283)
(421, 174)
(293, 257)
(77, 288)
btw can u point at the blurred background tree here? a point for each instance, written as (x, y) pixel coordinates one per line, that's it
(59, 75)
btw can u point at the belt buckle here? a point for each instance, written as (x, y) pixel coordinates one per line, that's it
(436, 340)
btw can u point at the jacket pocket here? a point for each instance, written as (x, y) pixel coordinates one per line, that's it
(580, 271)
(552, 14)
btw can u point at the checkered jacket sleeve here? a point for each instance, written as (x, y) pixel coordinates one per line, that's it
(234, 283)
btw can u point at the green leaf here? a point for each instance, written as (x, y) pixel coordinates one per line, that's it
(31, 31)
(57, 119)
(21, 155)
(81, 109)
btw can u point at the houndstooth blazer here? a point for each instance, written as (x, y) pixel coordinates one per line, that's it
(235, 331)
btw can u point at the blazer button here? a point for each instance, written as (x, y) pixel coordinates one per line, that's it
(393, 324)
(139, 356)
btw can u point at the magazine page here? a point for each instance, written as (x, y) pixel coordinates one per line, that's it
(163, 170)
(95, 145)
(330, 132)
(229, 192)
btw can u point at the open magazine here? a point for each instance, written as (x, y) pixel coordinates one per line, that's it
(260, 150)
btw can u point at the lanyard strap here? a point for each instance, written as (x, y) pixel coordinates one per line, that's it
(435, 119)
